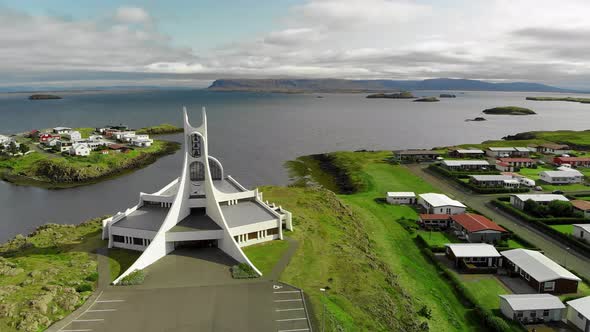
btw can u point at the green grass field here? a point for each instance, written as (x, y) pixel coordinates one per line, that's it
(565, 229)
(265, 255)
(437, 239)
(47, 275)
(485, 289)
(120, 260)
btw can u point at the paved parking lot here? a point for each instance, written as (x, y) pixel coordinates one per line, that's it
(176, 297)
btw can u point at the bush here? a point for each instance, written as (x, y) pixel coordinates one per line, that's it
(134, 278)
(92, 277)
(243, 271)
(85, 287)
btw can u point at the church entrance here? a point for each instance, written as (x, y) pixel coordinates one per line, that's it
(195, 244)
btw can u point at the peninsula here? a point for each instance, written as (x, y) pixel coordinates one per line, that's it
(65, 157)
(571, 99)
(427, 99)
(509, 110)
(43, 97)
(397, 95)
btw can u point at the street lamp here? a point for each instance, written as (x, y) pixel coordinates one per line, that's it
(567, 251)
(323, 290)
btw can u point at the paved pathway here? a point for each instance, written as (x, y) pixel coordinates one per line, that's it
(552, 248)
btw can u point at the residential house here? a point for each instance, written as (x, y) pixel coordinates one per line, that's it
(61, 130)
(532, 308)
(466, 165)
(582, 206)
(34, 134)
(466, 153)
(4, 140)
(578, 313)
(494, 181)
(95, 138)
(504, 167)
(551, 148)
(416, 155)
(518, 162)
(118, 148)
(473, 257)
(561, 177)
(540, 272)
(582, 231)
(436, 221)
(80, 149)
(401, 198)
(572, 161)
(518, 200)
(440, 204)
(75, 135)
(476, 228)
(105, 128)
(52, 142)
(64, 146)
(498, 152)
(121, 134)
(44, 137)
(142, 142)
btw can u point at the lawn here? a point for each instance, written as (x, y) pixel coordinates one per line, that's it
(437, 239)
(388, 251)
(265, 255)
(565, 229)
(120, 260)
(47, 274)
(485, 289)
(85, 132)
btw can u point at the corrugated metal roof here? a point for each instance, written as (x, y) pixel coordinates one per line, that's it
(473, 250)
(542, 197)
(582, 306)
(519, 302)
(537, 265)
(440, 200)
(400, 194)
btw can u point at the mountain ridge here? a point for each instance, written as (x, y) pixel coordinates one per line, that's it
(343, 85)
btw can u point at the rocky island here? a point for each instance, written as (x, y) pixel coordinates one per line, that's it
(509, 110)
(43, 97)
(447, 95)
(397, 95)
(427, 99)
(571, 99)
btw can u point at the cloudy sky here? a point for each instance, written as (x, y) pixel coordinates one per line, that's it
(190, 43)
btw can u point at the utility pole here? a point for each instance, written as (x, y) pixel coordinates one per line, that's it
(323, 290)
(567, 252)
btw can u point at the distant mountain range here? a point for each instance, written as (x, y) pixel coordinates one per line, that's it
(340, 85)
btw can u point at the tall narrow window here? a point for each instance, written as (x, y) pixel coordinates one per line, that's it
(196, 145)
(197, 171)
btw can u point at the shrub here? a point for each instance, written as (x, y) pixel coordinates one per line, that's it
(243, 271)
(134, 278)
(85, 287)
(92, 277)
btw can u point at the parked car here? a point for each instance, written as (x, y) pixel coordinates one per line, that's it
(538, 188)
(557, 192)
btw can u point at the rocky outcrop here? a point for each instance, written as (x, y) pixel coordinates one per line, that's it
(43, 97)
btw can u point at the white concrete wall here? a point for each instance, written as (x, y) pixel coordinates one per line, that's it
(572, 317)
(581, 234)
(193, 236)
(400, 200)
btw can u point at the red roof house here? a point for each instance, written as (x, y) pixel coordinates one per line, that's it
(46, 137)
(574, 161)
(521, 162)
(434, 220)
(476, 228)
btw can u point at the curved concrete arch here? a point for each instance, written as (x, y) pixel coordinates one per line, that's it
(216, 169)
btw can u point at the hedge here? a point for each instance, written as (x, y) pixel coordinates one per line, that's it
(456, 176)
(486, 317)
(548, 221)
(134, 278)
(544, 227)
(243, 271)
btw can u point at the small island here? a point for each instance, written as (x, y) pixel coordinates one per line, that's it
(479, 118)
(427, 99)
(509, 110)
(447, 95)
(43, 97)
(570, 99)
(397, 95)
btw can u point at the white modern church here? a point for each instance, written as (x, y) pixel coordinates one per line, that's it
(202, 208)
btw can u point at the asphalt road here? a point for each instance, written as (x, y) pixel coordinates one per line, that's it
(552, 248)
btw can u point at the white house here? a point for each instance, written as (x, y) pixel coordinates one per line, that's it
(4, 140)
(80, 149)
(440, 204)
(518, 200)
(75, 135)
(582, 206)
(95, 138)
(494, 181)
(529, 308)
(64, 146)
(141, 142)
(202, 208)
(550, 148)
(561, 177)
(466, 165)
(61, 130)
(121, 134)
(401, 198)
(500, 151)
(480, 255)
(582, 232)
(578, 313)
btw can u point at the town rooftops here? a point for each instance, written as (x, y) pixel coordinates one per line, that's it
(476, 223)
(466, 162)
(117, 147)
(430, 216)
(473, 250)
(407, 194)
(418, 152)
(519, 302)
(537, 265)
(541, 197)
(568, 169)
(561, 174)
(581, 205)
(62, 128)
(491, 177)
(469, 151)
(581, 305)
(570, 159)
(436, 200)
(517, 160)
(502, 149)
(522, 149)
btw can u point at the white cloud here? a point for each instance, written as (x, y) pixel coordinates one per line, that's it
(132, 15)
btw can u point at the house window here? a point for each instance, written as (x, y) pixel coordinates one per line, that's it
(580, 316)
(118, 238)
(549, 285)
(138, 241)
(519, 314)
(252, 236)
(533, 314)
(545, 313)
(272, 231)
(448, 210)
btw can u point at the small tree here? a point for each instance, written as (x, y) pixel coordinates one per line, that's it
(12, 149)
(23, 148)
(560, 208)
